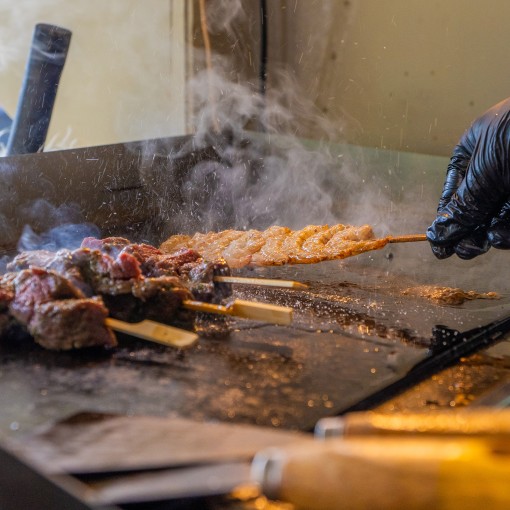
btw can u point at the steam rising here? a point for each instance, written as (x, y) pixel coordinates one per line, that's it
(263, 171)
(224, 15)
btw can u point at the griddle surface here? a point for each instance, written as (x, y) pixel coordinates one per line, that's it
(353, 334)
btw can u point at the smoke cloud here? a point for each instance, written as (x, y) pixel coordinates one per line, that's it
(264, 172)
(266, 168)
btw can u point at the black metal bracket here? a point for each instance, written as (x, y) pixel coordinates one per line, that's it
(448, 346)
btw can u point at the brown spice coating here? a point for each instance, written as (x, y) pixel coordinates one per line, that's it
(448, 295)
(71, 324)
(276, 245)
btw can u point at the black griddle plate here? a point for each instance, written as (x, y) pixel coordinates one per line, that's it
(351, 337)
(354, 332)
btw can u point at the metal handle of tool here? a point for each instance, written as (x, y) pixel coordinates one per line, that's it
(50, 45)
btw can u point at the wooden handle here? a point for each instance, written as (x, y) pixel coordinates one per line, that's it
(266, 282)
(407, 238)
(154, 332)
(479, 422)
(412, 474)
(245, 309)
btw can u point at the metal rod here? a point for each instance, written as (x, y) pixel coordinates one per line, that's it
(44, 68)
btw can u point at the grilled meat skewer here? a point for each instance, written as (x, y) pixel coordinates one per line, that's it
(55, 312)
(116, 274)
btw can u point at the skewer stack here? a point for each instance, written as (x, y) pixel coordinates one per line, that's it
(180, 338)
(127, 275)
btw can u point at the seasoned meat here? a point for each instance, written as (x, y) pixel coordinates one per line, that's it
(271, 253)
(53, 310)
(71, 324)
(186, 264)
(162, 298)
(280, 245)
(34, 258)
(244, 247)
(37, 286)
(62, 298)
(6, 297)
(110, 245)
(159, 299)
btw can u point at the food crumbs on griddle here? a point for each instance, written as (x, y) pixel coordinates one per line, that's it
(448, 295)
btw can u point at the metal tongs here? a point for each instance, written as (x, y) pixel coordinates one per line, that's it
(447, 348)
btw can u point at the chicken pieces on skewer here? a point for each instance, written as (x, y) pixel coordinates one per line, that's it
(277, 246)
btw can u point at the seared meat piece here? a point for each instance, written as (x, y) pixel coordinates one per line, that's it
(35, 258)
(179, 263)
(37, 286)
(127, 294)
(60, 262)
(104, 274)
(6, 297)
(271, 252)
(71, 324)
(91, 271)
(162, 298)
(6, 289)
(186, 264)
(159, 299)
(53, 310)
(110, 245)
(135, 282)
(119, 280)
(202, 282)
(153, 262)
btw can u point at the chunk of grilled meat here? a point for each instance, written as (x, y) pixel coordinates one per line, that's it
(71, 324)
(52, 310)
(135, 281)
(6, 297)
(187, 264)
(119, 281)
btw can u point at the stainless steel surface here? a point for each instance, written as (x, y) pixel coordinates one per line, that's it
(86, 443)
(164, 485)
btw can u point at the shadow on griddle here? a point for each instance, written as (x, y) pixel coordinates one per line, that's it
(17, 345)
(323, 310)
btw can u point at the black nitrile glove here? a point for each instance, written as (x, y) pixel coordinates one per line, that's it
(474, 208)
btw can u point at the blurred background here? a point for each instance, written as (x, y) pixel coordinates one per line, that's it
(406, 75)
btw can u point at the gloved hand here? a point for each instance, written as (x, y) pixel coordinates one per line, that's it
(474, 208)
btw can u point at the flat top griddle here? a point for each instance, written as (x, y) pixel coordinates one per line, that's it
(354, 333)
